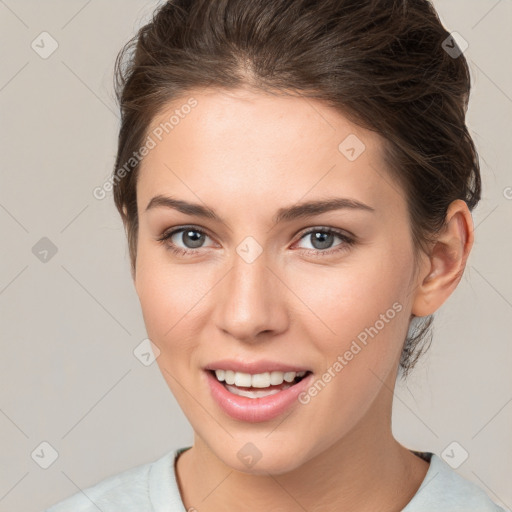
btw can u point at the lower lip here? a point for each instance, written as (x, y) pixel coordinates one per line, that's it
(255, 409)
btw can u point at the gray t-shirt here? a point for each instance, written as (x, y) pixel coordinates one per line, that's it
(152, 487)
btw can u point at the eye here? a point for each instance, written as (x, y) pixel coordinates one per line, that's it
(191, 237)
(322, 240)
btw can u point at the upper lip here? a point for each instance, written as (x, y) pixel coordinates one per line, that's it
(254, 367)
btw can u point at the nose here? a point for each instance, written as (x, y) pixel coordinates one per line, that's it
(250, 302)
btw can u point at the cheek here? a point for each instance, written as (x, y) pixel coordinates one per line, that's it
(167, 308)
(158, 302)
(172, 300)
(357, 331)
(362, 303)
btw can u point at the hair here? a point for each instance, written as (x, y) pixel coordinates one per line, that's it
(381, 63)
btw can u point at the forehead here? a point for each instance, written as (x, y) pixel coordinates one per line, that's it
(229, 144)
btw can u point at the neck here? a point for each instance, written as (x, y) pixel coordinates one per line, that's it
(365, 470)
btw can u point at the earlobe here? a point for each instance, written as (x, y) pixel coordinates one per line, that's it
(446, 262)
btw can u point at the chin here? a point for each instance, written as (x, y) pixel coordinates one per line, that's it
(259, 456)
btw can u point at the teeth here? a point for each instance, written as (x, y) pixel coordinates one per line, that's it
(243, 379)
(255, 394)
(259, 380)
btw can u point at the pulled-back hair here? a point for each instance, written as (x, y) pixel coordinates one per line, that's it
(381, 63)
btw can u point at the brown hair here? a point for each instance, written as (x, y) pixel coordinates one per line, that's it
(381, 63)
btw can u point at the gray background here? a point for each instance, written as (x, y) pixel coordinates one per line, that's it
(70, 323)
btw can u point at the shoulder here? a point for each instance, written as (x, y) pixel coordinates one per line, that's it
(444, 490)
(134, 489)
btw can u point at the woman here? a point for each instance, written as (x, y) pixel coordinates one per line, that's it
(296, 181)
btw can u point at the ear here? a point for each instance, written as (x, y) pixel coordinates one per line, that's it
(446, 262)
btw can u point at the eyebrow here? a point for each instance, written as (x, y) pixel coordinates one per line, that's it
(301, 210)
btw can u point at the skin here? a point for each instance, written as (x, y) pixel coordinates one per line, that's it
(245, 154)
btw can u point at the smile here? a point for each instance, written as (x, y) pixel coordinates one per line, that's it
(256, 397)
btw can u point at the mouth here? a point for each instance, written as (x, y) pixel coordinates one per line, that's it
(255, 391)
(257, 385)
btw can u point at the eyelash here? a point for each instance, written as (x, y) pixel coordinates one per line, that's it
(347, 241)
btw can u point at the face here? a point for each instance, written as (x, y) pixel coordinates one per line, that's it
(261, 284)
